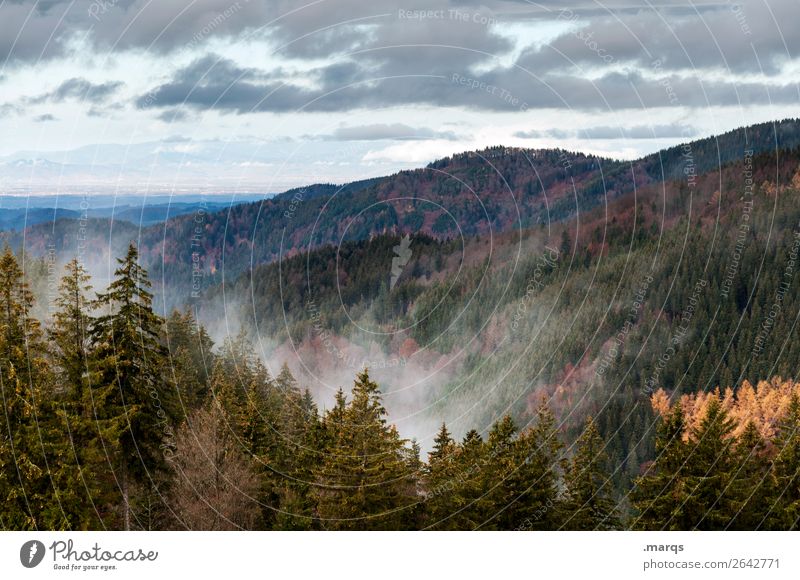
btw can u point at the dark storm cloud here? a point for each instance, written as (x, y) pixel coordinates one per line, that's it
(385, 53)
(740, 37)
(31, 30)
(44, 118)
(213, 83)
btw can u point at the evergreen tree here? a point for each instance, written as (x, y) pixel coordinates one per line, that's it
(468, 483)
(589, 504)
(363, 480)
(191, 358)
(69, 336)
(298, 450)
(440, 479)
(660, 493)
(754, 484)
(787, 466)
(536, 479)
(711, 498)
(40, 487)
(69, 332)
(130, 385)
(499, 495)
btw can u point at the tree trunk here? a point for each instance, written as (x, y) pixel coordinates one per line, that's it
(126, 502)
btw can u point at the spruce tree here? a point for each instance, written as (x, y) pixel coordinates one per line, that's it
(468, 483)
(69, 332)
(589, 504)
(130, 385)
(711, 498)
(440, 481)
(499, 495)
(787, 466)
(754, 485)
(69, 337)
(362, 483)
(536, 479)
(191, 358)
(40, 484)
(659, 494)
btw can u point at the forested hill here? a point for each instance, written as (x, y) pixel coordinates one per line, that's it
(673, 287)
(476, 193)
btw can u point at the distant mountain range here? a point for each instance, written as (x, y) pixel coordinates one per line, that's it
(182, 164)
(144, 215)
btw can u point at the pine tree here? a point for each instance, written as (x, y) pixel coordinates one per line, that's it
(363, 480)
(130, 386)
(69, 332)
(754, 484)
(787, 466)
(660, 493)
(589, 505)
(40, 487)
(711, 499)
(536, 478)
(440, 474)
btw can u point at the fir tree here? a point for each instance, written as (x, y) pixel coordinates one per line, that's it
(754, 484)
(363, 479)
(468, 483)
(660, 493)
(69, 332)
(499, 495)
(40, 485)
(440, 477)
(589, 504)
(130, 385)
(536, 479)
(711, 500)
(787, 466)
(69, 335)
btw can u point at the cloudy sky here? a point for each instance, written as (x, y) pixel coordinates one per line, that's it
(265, 94)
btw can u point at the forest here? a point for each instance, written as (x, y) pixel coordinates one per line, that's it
(116, 418)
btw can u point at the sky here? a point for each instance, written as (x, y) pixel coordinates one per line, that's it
(262, 95)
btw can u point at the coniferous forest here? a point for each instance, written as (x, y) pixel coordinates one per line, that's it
(115, 418)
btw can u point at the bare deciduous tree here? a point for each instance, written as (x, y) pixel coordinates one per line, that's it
(215, 483)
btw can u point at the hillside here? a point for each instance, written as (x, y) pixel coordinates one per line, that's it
(671, 288)
(477, 193)
(591, 301)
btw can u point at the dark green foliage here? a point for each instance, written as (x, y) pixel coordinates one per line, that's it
(787, 468)
(589, 504)
(363, 482)
(129, 386)
(660, 492)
